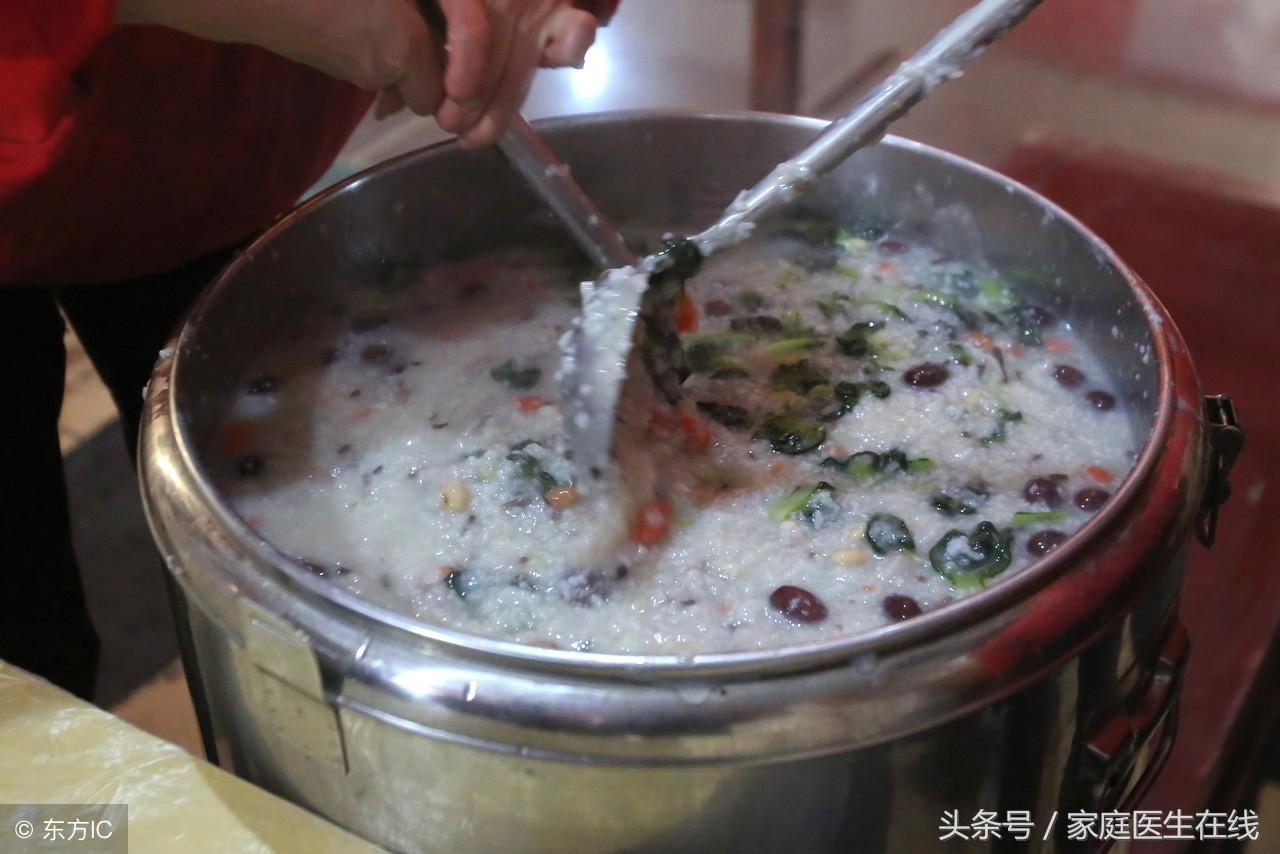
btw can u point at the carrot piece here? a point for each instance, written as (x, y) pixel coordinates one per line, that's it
(530, 402)
(981, 339)
(1099, 474)
(652, 524)
(697, 435)
(1057, 345)
(887, 267)
(687, 319)
(238, 437)
(1015, 350)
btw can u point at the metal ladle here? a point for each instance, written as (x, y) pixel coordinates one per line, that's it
(596, 349)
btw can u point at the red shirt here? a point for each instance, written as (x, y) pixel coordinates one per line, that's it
(131, 150)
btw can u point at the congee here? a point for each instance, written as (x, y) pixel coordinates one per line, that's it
(870, 430)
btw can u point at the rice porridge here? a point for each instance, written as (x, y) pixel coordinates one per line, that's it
(868, 431)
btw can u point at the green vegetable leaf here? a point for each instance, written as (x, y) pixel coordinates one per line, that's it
(893, 311)
(856, 340)
(1026, 518)
(950, 506)
(733, 417)
(790, 345)
(751, 300)
(832, 304)
(815, 232)
(455, 582)
(886, 533)
(680, 260)
(878, 388)
(868, 467)
(846, 395)
(995, 294)
(813, 503)
(863, 467)
(792, 434)
(711, 352)
(530, 469)
(960, 355)
(762, 323)
(920, 465)
(1025, 327)
(516, 377)
(969, 560)
(1004, 417)
(799, 377)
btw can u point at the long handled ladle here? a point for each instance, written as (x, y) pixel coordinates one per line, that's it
(596, 349)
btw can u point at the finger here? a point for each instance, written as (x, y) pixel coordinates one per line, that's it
(389, 103)
(459, 116)
(516, 80)
(603, 10)
(570, 33)
(420, 86)
(470, 44)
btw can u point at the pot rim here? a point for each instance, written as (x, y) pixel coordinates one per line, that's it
(947, 620)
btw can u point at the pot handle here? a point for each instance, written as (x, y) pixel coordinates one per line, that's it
(1225, 438)
(1146, 724)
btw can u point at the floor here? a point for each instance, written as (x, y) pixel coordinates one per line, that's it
(1191, 85)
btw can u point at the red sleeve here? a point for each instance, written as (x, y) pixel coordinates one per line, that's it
(42, 42)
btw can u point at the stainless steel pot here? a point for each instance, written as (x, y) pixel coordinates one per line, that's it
(1051, 691)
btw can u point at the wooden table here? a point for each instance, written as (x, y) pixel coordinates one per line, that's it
(775, 55)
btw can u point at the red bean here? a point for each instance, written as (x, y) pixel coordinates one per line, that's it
(1043, 542)
(798, 604)
(717, 308)
(250, 465)
(901, 608)
(1101, 400)
(1091, 498)
(1042, 490)
(264, 384)
(926, 375)
(1041, 317)
(1068, 376)
(375, 353)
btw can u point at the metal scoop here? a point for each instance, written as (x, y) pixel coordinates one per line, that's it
(596, 349)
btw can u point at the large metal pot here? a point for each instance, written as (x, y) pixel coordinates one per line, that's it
(1053, 690)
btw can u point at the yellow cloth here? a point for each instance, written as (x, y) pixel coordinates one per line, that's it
(57, 749)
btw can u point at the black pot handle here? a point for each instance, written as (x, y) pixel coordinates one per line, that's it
(1225, 438)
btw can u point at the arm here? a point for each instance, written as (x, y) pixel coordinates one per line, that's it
(494, 47)
(375, 44)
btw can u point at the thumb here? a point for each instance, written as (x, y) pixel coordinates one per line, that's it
(566, 37)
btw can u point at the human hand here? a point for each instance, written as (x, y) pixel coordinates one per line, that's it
(494, 48)
(385, 45)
